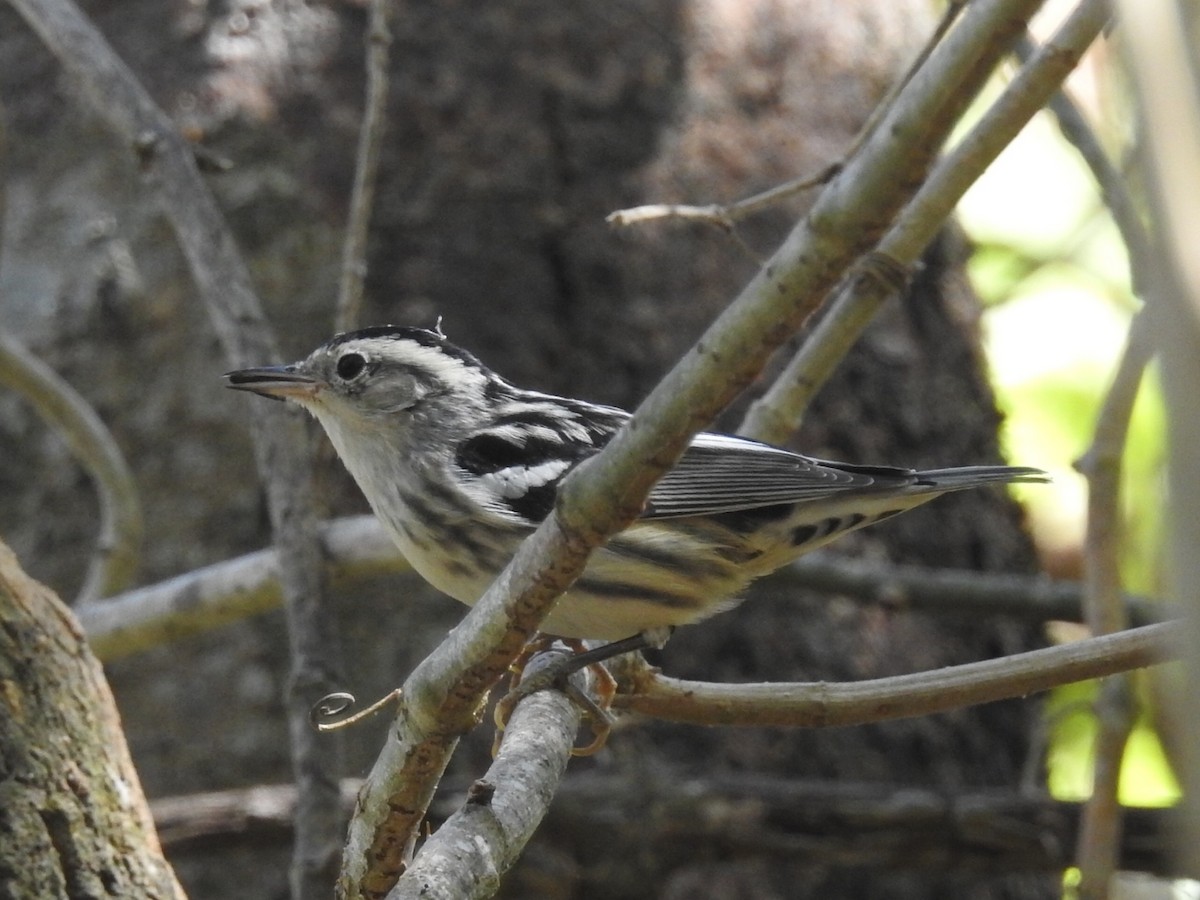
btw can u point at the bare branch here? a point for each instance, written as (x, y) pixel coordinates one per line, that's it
(226, 592)
(1075, 128)
(370, 145)
(1116, 709)
(778, 412)
(119, 543)
(825, 705)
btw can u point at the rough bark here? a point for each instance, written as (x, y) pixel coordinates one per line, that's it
(73, 820)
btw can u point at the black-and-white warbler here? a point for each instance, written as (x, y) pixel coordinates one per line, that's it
(460, 466)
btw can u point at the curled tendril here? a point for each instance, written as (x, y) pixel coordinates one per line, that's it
(324, 713)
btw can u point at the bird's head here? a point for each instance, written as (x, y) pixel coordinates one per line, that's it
(362, 380)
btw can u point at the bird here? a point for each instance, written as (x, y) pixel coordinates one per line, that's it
(460, 465)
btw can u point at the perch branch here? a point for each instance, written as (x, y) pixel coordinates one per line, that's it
(479, 842)
(828, 705)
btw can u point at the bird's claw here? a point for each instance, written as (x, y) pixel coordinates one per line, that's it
(544, 665)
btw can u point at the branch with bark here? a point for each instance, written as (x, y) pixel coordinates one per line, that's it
(883, 274)
(854, 703)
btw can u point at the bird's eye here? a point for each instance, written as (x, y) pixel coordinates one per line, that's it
(350, 366)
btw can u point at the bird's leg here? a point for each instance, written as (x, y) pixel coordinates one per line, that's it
(557, 671)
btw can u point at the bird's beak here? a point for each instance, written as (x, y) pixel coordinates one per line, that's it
(275, 382)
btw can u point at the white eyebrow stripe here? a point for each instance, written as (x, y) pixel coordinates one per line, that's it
(438, 364)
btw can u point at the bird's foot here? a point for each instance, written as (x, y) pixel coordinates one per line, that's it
(549, 662)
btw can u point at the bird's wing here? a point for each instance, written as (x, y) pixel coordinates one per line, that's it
(724, 473)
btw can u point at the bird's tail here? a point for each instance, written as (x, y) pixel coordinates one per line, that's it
(964, 477)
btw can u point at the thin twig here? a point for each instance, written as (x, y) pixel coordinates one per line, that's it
(727, 215)
(828, 705)
(1113, 191)
(119, 543)
(281, 443)
(779, 411)
(1100, 836)
(370, 145)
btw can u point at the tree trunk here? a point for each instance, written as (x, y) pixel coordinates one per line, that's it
(73, 821)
